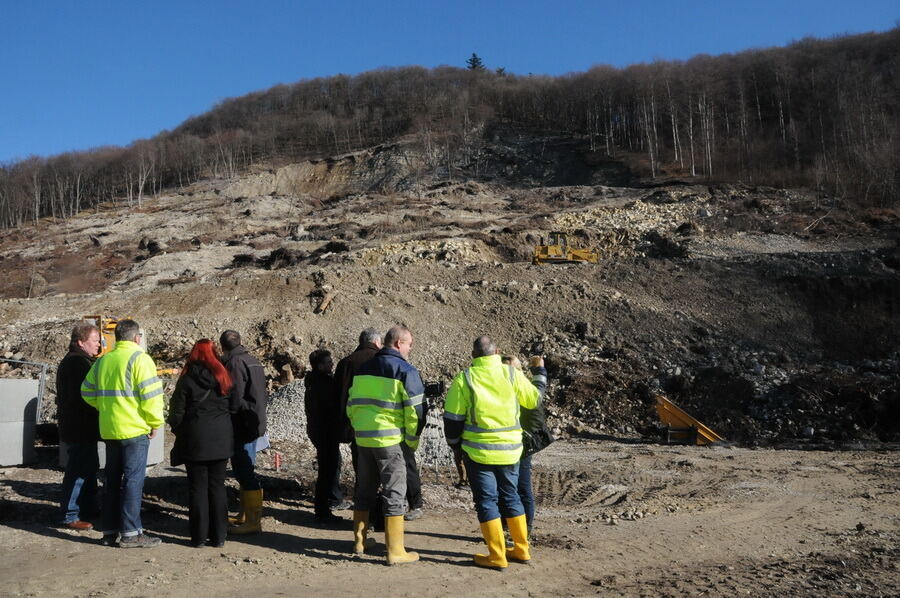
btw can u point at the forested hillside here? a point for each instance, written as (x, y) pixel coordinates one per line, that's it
(818, 113)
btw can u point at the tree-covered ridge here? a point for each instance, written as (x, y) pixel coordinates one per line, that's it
(820, 113)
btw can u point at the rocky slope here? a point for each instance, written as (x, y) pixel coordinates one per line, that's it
(769, 314)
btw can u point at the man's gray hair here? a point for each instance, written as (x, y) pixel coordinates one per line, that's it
(126, 330)
(369, 335)
(483, 346)
(395, 334)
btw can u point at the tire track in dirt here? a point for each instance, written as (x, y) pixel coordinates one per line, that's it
(567, 488)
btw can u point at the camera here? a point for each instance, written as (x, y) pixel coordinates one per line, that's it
(434, 389)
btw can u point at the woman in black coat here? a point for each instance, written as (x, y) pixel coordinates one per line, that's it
(200, 416)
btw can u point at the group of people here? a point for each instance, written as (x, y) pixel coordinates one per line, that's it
(327, 390)
(217, 412)
(374, 399)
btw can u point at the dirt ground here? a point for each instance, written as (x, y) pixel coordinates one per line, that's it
(688, 521)
(769, 314)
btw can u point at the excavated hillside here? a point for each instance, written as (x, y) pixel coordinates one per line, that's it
(771, 315)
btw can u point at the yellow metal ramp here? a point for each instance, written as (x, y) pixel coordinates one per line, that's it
(682, 428)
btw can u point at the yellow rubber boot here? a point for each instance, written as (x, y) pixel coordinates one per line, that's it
(518, 529)
(240, 517)
(360, 527)
(393, 537)
(493, 536)
(252, 501)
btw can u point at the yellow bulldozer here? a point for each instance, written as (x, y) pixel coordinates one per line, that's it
(558, 251)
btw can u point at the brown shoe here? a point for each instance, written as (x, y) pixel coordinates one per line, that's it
(79, 526)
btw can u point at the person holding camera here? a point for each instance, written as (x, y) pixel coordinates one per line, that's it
(482, 414)
(535, 437)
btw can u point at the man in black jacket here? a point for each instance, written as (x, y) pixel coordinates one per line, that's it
(324, 425)
(250, 396)
(79, 427)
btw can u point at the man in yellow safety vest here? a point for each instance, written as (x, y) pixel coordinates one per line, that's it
(481, 413)
(385, 407)
(123, 386)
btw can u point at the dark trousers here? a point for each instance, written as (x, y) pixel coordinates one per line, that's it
(243, 465)
(126, 467)
(526, 494)
(207, 502)
(413, 481)
(328, 487)
(79, 499)
(354, 459)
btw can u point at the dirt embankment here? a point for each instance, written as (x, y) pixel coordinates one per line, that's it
(771, 315)
(750, 306)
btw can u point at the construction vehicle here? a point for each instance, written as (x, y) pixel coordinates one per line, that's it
(107, 327)
(681, 428)
(558, 251)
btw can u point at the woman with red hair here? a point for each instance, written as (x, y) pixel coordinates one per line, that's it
(200, 416)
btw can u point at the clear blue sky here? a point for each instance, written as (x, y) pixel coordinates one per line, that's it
(78, 74)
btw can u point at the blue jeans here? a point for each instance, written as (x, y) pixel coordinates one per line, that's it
(494, 490)
(79, 496)
(243, 465)
(526, 495)
(126, 467)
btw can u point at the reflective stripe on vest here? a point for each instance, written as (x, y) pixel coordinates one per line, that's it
(384, 404)
(378, 433)
(492, 447)
(477, 430)
(471, 388)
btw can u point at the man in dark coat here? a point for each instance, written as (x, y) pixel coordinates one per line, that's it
(249, 393)
(79, 427)
(324, 425)
(370, 343)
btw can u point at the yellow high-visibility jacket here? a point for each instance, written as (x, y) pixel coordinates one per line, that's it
(123, 386)
(483, 403)
(386, 404)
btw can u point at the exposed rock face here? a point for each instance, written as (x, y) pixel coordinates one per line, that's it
(772, 289)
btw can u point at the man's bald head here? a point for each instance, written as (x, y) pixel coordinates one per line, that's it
(399, 338)
(484, 346)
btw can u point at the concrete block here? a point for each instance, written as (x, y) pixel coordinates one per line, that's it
(18, 417)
